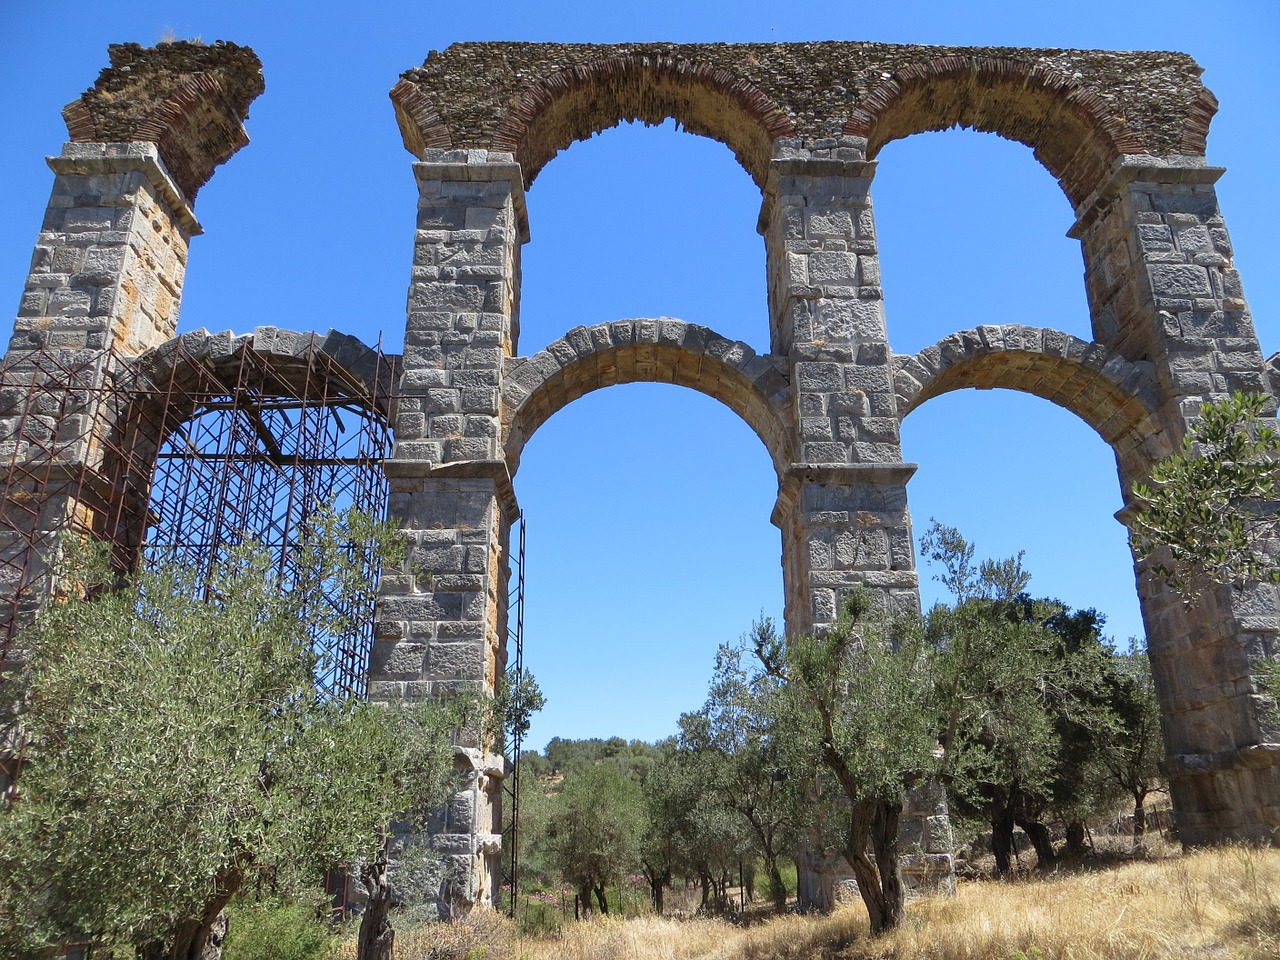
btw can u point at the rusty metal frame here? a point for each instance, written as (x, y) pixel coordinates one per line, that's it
(96, 445)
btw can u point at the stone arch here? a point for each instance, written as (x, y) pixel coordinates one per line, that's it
(188, 98)
(579, 101)
(1071, 128)
(653, 351)
(294, 358)
(335, 394)
(1117, 398)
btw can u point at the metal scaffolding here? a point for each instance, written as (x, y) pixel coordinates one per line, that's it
(511, 785)
(254, 448)
(181, 453)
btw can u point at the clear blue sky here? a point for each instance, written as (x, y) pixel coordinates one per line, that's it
(648, 506)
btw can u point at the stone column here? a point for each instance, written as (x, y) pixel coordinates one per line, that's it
(442, 619)
(112, 253)
(842, 506)
(105, 283)
(107, 273)
(106, 279)
(1162, 287)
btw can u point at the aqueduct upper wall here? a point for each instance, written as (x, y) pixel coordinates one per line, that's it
(1079, 109)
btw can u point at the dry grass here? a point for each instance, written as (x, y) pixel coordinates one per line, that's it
(481, 936)
(1213, 905)
(1210, 905)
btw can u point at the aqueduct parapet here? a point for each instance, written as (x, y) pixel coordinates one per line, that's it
(1124, 134)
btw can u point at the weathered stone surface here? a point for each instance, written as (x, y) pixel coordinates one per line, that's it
(188, 98)
(1123, 132)
(530, 100)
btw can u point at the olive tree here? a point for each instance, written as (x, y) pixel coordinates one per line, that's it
(865, 694)
(1025, 702)
(1211, 507)
(1132, 752)
(178, 746)
(741, 738)
(594, 830)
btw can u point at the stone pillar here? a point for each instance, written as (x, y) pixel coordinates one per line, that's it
(442, 619)
(112, 253)
(107, 273)
(105, 282)
(1162, 288)
(842, 507)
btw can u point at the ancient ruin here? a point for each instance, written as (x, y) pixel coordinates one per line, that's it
(95, 383)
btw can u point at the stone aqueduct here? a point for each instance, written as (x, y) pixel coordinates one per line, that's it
(1123, 133)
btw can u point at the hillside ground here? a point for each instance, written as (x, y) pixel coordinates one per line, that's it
(1221, 904)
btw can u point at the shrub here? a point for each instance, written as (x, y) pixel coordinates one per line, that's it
(288, 931)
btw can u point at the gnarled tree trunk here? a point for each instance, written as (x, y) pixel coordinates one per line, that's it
(1002, 840)
(1139, 820)
(884, 842)
(778, 887)
(1075, 839)
(199, 939)
(377, 938)
(1039, 835)
(874, 823)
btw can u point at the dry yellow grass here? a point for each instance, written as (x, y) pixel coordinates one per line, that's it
(1213, 905)
(1209, 905)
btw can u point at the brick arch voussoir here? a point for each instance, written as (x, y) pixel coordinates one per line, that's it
(579, 101)
(194, 113)
(420, 122)
(664, 350)
(197, 113)
(1195, 131)
(1117, 398)
(1069, 127)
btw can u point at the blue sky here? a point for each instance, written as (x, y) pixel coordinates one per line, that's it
(648, 506)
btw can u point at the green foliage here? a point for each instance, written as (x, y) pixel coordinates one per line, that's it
(692, 832)
(741, 745)
(544, 780)
(669, 843)
(569, 756)
(1033, 694)
(1211, 505)
(1130, 752)
(872, 688)
(280, 931)
(517, 698)
(594, 829)
(177, 744)
(865, 696)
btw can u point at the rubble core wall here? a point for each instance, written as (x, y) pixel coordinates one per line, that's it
(1080, 109)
